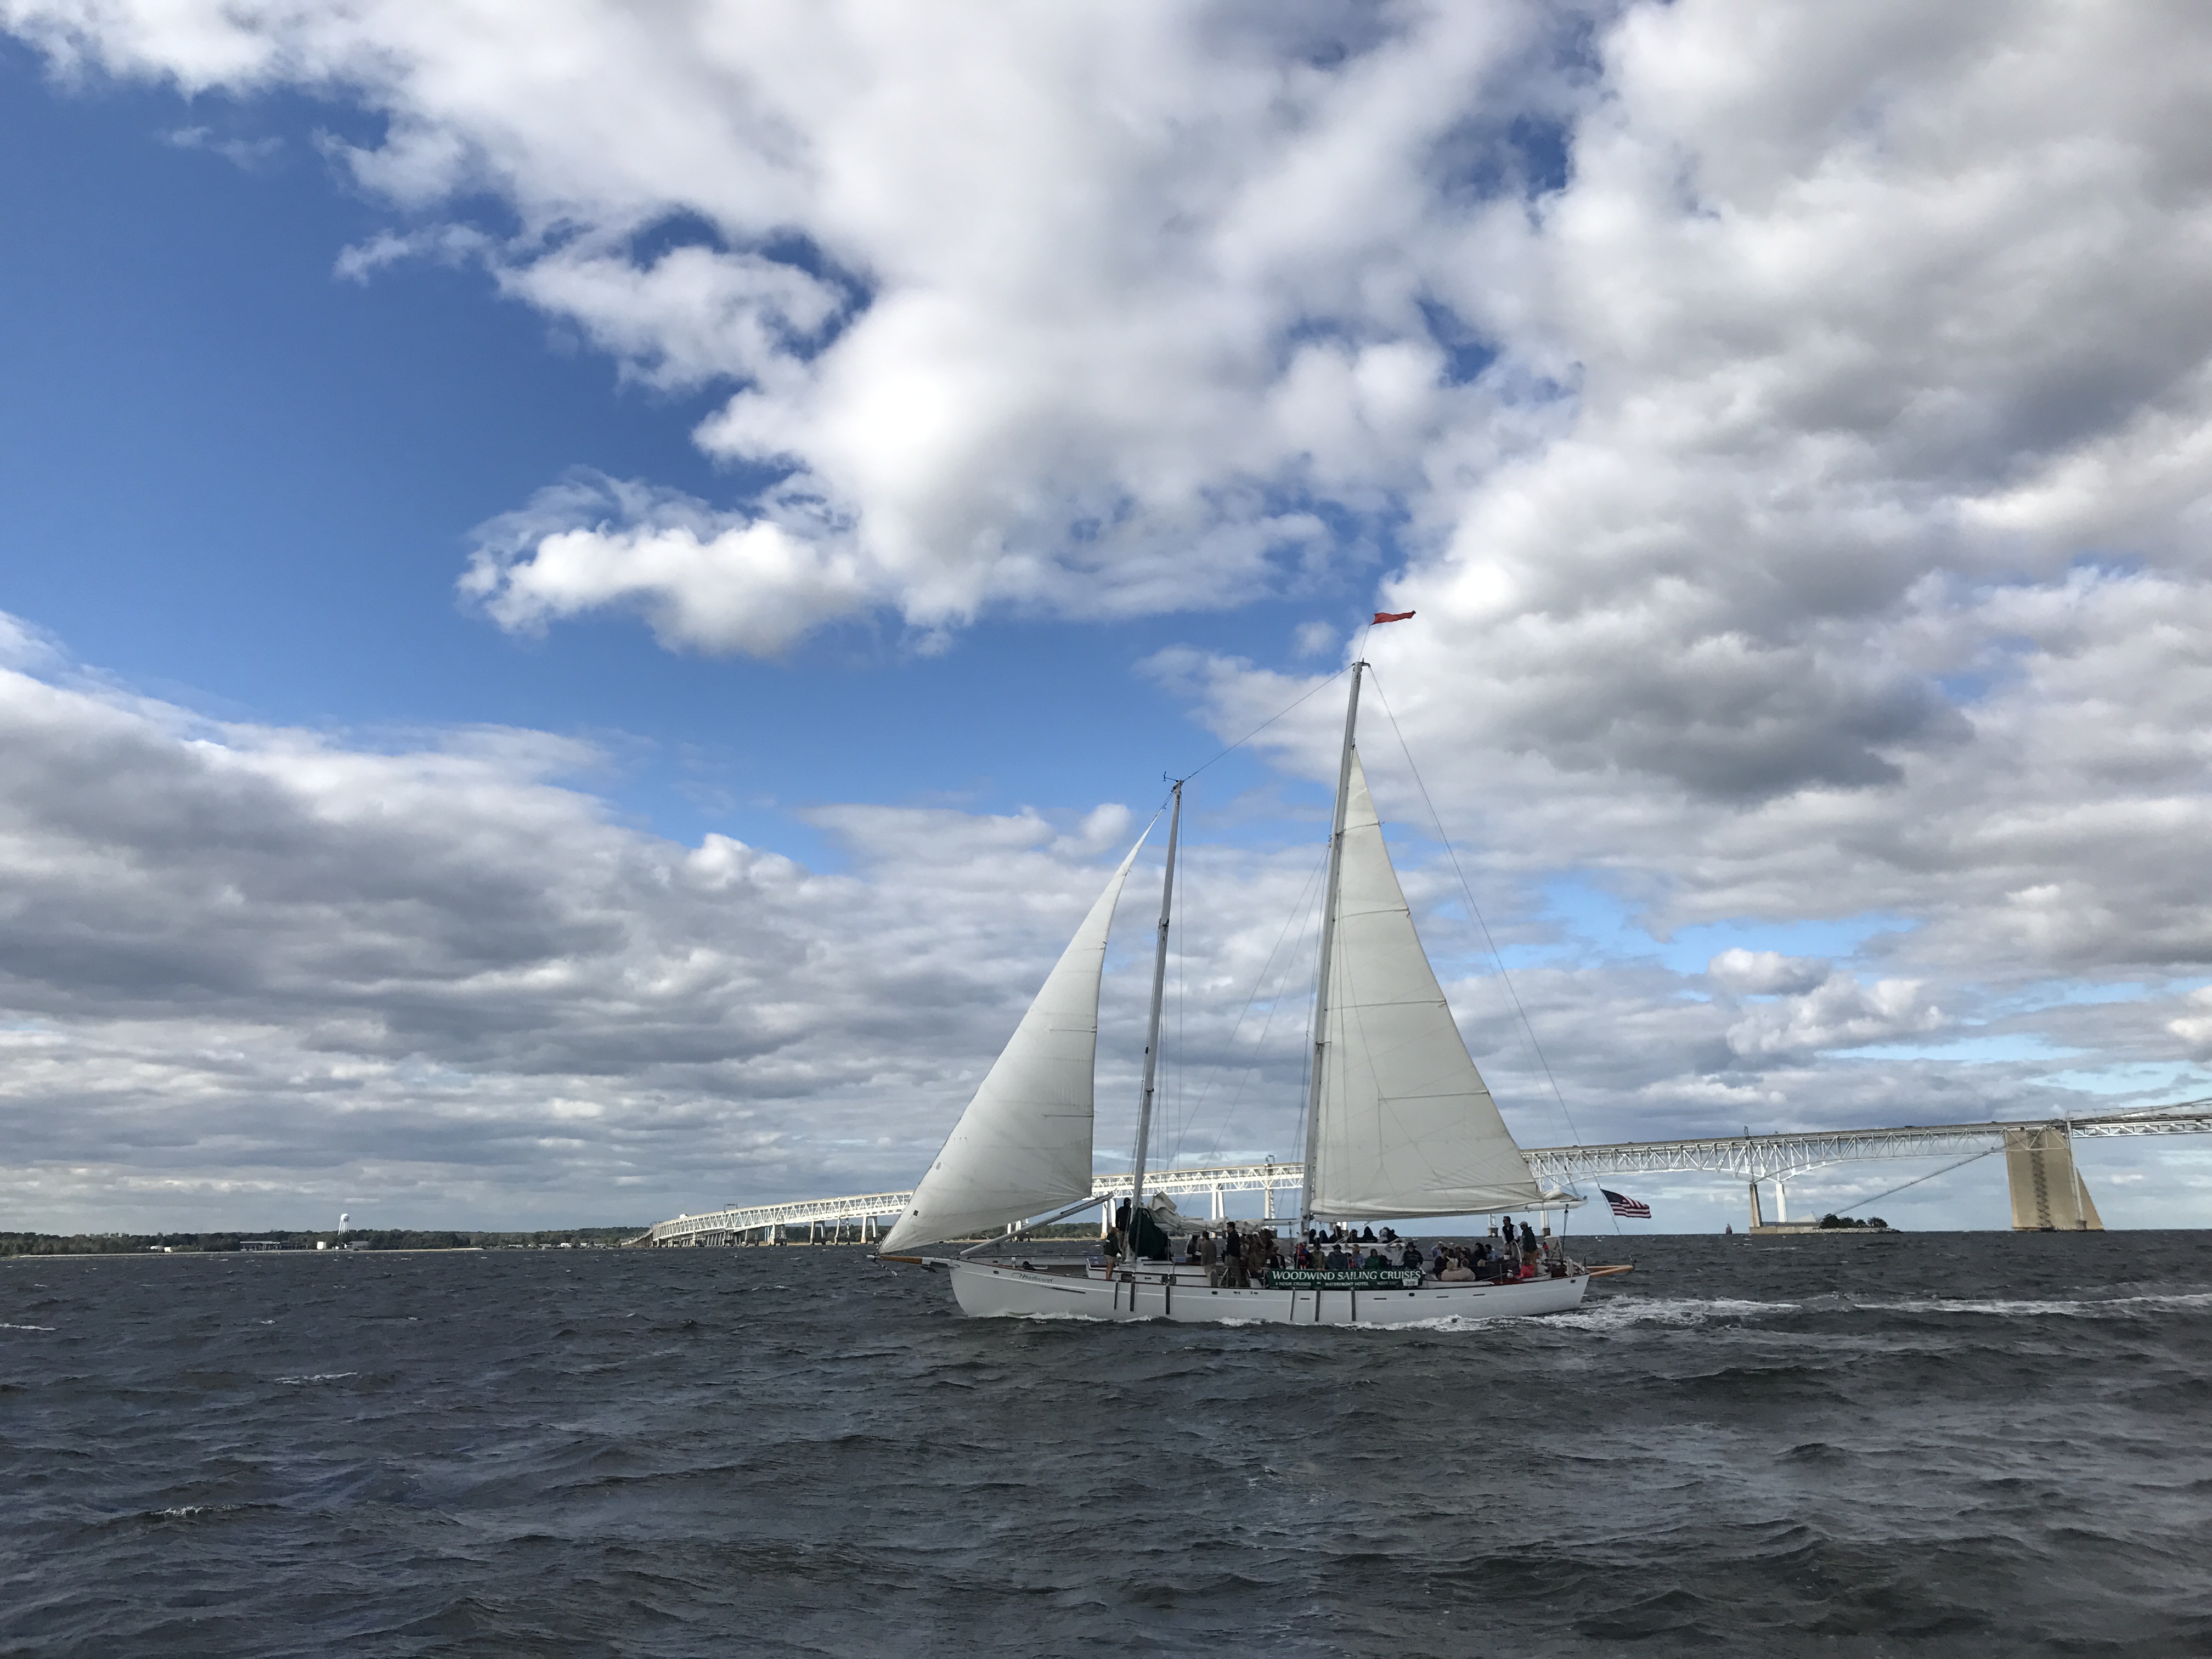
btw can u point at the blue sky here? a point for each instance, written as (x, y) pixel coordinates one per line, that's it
(241, 481)
(1808, 671)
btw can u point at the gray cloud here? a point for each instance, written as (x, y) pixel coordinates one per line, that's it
(233, 947)
(259, 973)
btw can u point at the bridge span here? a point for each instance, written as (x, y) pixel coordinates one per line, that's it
(2047, 1193)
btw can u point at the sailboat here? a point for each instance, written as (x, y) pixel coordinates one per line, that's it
(1399, 1124)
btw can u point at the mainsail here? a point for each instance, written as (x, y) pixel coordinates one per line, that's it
(1024, 1144)
(1404, 1123)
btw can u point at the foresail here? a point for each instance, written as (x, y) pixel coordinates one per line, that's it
(1024, 1144)
(1407, 1125)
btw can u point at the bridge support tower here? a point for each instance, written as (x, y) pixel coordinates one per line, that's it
(2047, 1194)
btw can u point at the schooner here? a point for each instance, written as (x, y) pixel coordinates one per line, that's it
(1399, 1122)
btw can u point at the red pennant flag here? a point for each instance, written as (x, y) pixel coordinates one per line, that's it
(1392, 615)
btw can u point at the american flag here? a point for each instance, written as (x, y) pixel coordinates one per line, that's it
(1634, 1209)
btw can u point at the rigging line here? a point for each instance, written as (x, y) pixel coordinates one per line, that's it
(1213, 1073)
(1310, 1000)
(1306, 912)
(1270, 721)
(1476, 910)
(1915, 1181)
(1184, 1108)
(1301, 915)
(1181, 921)
(1157, 812)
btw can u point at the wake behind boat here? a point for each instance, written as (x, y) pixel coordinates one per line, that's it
(1399, 1124)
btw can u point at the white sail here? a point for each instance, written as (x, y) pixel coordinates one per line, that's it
(1406, 1126)
(1024, 1144)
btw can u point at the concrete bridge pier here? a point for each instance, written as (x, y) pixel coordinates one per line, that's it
(2047, 1194)
(1781, 1204)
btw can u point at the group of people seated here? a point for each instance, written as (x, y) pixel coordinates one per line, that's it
(1239, 1259)
(1483, 1263)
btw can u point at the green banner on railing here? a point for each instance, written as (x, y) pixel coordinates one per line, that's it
(1396, 1278)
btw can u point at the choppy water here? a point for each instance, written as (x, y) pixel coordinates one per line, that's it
(1957, 1445)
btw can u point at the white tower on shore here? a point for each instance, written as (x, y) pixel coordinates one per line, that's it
(344, 1221)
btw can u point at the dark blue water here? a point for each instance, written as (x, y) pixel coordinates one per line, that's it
(1955, 1445)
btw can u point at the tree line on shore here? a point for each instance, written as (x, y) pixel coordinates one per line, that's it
(369, 1238)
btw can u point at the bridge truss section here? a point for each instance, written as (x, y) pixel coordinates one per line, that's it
(1749, 1159)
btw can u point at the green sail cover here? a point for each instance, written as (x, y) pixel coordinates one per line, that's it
(1146, 1242)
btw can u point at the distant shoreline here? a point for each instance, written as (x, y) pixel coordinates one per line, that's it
(364, 1241)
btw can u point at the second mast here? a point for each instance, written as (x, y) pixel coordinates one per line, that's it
(1152, 1031)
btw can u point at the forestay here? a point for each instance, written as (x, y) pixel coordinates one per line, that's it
(1024, 1144)
(1406, 1126)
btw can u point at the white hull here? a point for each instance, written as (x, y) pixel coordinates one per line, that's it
(987, 1289)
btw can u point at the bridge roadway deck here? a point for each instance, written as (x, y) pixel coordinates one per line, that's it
(1747, 1158)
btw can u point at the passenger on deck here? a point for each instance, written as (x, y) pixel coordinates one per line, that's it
(1411, 1258)
(1458, 1272)
(1334, 1261)
(1367, 1236)
(1190, 1251)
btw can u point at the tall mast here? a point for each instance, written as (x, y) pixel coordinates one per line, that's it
(1328, 949)
(1152, 1031)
